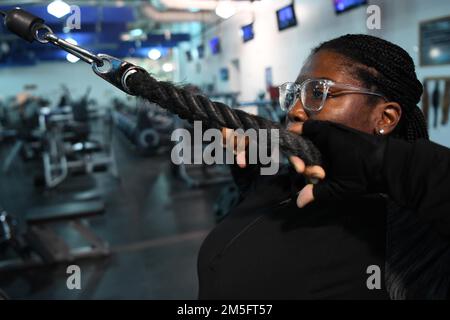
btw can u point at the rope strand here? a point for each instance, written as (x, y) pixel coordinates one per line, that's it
(194, 107)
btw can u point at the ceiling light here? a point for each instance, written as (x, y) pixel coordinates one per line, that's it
(70, 57)
(136, 33)
(154, 54)
(167, 67)
(58, 8)
(225, 9)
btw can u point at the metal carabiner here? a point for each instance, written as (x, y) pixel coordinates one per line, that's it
(109, 68)
(77, 51)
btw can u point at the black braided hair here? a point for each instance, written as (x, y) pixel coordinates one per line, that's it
(388, 69)
(194, 107)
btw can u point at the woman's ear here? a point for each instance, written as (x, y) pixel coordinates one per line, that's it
(389, 114)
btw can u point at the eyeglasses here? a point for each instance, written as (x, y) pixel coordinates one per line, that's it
(314, 92)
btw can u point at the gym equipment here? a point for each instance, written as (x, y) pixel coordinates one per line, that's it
(199, 175)
(8, 227)
(425, 101)
(229, 98)
(40, 244)
(23, 130)
(62, 147)
(145, 126)
(436, 100)
(3, 295)
(446, 103)
(66, 145)
(62, 136)
(136, 81)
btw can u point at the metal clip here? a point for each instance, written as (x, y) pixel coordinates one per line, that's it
(77, 51)
(111, 69)
(115, 71)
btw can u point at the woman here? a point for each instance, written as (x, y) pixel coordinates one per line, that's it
(269, 248)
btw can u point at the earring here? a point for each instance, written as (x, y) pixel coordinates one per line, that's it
(381, 132)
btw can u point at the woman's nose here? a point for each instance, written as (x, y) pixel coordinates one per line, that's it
(297, 113)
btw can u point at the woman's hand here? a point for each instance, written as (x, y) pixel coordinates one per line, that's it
(353, 162)
(237, 144)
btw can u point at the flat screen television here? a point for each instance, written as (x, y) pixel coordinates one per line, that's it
(224, 74)
(247, 32)
(201, 51)
(188, 56)
(435, 42)
(214, 45)
(341, 6)
(286, 17)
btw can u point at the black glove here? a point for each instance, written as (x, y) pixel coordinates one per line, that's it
(414, 175)
(353, 160)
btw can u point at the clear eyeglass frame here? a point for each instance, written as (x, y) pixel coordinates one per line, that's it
(290, 92)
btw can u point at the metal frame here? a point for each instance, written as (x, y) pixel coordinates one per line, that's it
(55, 162)
(47, 247)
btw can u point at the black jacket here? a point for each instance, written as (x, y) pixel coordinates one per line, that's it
(267, 248)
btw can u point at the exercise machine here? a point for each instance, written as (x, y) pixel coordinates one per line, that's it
(67, 145)
(147, 127)
(40, 243)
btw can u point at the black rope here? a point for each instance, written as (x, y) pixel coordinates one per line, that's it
(195, 107)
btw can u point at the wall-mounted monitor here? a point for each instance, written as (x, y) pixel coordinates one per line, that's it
(224, 74)
(214, 45)
(286, 17)
(247, 32)
(189, 56)
(341, 6)
(201, 51)
(435, 42)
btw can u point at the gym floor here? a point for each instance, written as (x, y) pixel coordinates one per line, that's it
(154, 224)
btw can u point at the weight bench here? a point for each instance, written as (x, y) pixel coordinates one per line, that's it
(47, 247)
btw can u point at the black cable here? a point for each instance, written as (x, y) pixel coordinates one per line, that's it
(193, 107)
